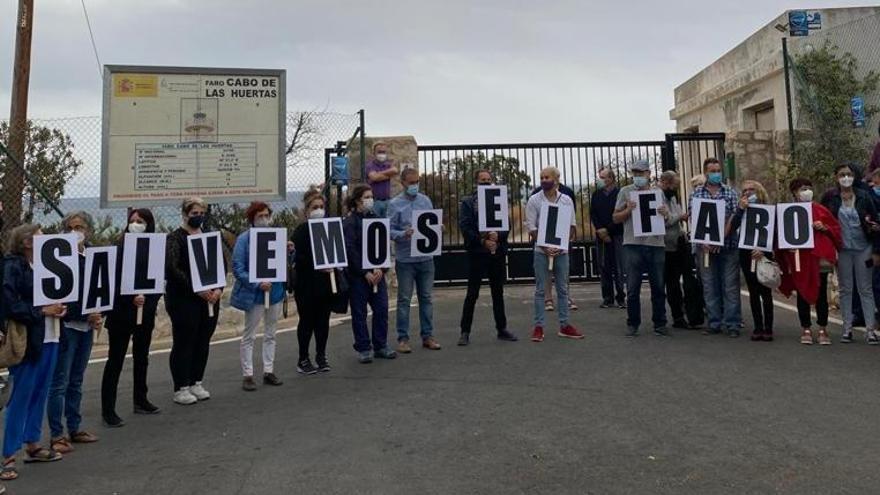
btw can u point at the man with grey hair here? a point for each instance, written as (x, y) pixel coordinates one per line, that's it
(644, 254)
(676, 248)
(74, 349)
(609, 239)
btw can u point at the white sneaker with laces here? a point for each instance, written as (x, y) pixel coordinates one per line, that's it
(199, 391)
(184, 397)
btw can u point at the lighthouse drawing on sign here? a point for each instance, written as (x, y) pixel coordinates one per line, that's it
(198, 120)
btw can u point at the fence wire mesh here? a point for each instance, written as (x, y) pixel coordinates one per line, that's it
(62, 166)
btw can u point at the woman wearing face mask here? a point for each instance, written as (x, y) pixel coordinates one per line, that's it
(857, 215)
(74, 351)
(367, 286)
(760, 296)
(31, 377)
(122, 329)
(312, 293)
(191, 325)
(811, 282)
(250, 298)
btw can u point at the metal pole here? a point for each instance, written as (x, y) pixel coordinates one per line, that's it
(13, 186)
(363, 147)
(786, 65)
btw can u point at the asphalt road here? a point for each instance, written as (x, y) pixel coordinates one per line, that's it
(685, 414)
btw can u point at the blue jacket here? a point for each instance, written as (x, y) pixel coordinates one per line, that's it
(18, 302)
(246, 295)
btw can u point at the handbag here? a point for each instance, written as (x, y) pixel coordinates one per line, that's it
(768, 273)
(13, 345)
(339, 301)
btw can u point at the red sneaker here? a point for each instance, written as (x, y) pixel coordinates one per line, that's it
(538, 334)
(570, 332)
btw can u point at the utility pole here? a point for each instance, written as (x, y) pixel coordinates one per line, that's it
(13, 180)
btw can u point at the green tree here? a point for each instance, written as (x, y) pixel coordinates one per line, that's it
(50, 163)
(826, 83)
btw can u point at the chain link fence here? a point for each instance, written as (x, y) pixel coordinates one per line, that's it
(835, 98)
(61, 171)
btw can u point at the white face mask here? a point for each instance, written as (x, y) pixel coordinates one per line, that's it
(382, 157)
(846, 181)
(368, 204)
(261, 222)
(137, 228)
(806, 196)
(319, 213)
(80, 237)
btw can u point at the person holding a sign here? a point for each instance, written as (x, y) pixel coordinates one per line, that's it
(123, 329)
(676, 254)
(312, 292)
(609, 246)
(857, 215)
(753, 248)
(74, 351)
(413, 269)
(719, 264)
(551, 222)
(30, 378)
(380, 171)
(193, 314)
(644, 249)
(369, 257)
(816, 263)
(487, 250)
(258, 300)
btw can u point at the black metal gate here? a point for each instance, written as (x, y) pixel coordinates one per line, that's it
(447, 177)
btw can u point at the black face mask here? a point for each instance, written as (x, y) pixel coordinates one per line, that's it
(484, 183)
(195, 222)
(670, 193)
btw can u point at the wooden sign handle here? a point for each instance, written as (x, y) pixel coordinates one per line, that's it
(754, 265)
(56, 326)
(333, 281)
(797, 260)
(140, 316)
(210, 310)
(551, 262)
(705, 259)
(266, 299)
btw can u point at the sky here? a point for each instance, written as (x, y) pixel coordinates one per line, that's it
(446, 72)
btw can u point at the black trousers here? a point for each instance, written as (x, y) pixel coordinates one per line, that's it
(191, 330)
(803, 307)
(676, 264)
(760, 296)
(694, 304)
(482, 264)
(314, 319)
(120, 336)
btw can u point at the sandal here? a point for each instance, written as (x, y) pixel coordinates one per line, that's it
(83, 437)
(9, 471)
(42, 455)
(548, 305)
(61, 445)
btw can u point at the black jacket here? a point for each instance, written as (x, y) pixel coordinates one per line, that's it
(124, 312)
(469, 225)
(309, 283)
(18, 302)
(352, 226)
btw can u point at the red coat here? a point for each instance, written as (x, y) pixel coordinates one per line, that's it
(825, 247)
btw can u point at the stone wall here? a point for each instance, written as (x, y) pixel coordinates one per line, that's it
(403, 151)
(758, 155)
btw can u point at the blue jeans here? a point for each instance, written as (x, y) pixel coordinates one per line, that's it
(542, 272)
(380, 207)
(27, 401)
(65, 394)
(721, 288)
(421, 275)
(362, 294)
(650, 260)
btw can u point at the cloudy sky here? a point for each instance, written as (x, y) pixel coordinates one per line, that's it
(451, 71)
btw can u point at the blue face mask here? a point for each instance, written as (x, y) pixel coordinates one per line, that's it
(412, 189)
(714, 178)
(877, 190)
(640, 181)
(753, 199)
(600, 184)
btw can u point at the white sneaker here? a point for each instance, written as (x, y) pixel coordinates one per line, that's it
(199, 391)
(184, 397)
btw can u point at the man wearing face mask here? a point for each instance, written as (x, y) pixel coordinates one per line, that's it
(380, 171)
(642, 255)
(721, 278)
(74, 350)
(676, 249)
(411, 270)
(486, 256)
(609, 245)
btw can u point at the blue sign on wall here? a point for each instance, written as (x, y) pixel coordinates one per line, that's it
(801, 22)
(339, 174)
(858, 112)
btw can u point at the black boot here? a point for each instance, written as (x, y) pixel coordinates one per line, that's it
(144, 406)
(111, 420)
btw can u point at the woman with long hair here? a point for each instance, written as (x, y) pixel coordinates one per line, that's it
(760, 296)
